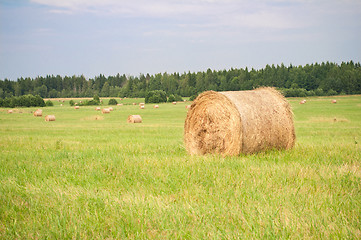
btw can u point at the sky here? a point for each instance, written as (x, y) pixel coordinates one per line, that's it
(132, 37)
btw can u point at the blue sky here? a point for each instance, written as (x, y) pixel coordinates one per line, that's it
(92, 37)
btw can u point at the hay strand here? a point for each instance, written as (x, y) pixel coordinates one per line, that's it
(134, 119)
(231, 123)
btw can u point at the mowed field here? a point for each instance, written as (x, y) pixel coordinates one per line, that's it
(90, 175)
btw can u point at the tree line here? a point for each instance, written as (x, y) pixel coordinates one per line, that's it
(325, 78)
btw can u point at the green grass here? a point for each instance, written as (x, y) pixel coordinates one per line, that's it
(83, 178)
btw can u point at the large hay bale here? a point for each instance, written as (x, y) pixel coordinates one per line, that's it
(38, 113)
(105, 110)
(134, 119)
(230, 123)
(49, 118)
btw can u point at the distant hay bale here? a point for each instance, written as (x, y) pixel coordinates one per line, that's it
(97, 109)
(174, 103)
(49, 118)
(134, 119)
(334, 101)
(10, 111)
(120, 104)
(105, 110)
(81, 101)
(76, 103)
(155, 106)
(76, 107)
(38, 113)
(302, 102)
(231, 123)
(141, 107)
(110, 108)
(134, 103)
(188, 106)
(141, 104)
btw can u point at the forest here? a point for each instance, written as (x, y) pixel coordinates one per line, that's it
(294, 81)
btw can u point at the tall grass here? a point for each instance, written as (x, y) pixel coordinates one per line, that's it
(83, 178)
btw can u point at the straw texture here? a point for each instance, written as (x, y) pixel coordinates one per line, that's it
(231, 123)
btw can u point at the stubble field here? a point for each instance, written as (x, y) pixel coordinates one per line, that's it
(92, 175)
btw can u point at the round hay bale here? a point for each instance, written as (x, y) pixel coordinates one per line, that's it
(141, 107)
(97, 109)
(105, 110)
(231, 123)
(110, 108)
(134, 119)
(334, 101)
(38, 113)
(10, 111)
(302, 102)
(174, 103)
(141, 104)
(134, 103)
(120, 104)
(156, 106)
(49, 118)
(76, 107)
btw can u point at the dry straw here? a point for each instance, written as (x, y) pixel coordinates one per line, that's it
(105, 110)
(38, 113)
(49, 118)
(134, 119)
(231, 123)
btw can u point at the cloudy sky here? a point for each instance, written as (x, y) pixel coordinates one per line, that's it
(92, 37)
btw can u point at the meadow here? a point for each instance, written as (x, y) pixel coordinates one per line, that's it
(89, 175)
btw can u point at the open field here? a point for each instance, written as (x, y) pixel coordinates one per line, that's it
(91, 175)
